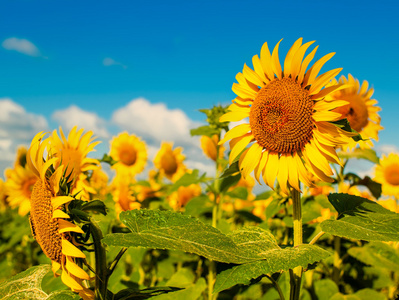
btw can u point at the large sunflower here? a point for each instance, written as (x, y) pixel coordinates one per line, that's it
(19, 184)
(361, 111)
(50, 223)
(169, 161)
(130, 153)
(289, 129)
(387, 173)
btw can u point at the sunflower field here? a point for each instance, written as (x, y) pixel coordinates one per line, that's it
(281, 217)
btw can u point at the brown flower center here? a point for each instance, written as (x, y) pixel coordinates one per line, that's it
(355, 112)
(169, 163)
(27, 186)
(44, 228)
(128, 156)
(392, 174)
(281, 116)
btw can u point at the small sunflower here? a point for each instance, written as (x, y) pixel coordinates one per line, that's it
(290, 127)
(51, 225)
(169, 161)
(124, 195)
(183, 195)
(72, 154)
(209, 147)
(387, 173)
(19, 184)
(130, 153)
(361, 111)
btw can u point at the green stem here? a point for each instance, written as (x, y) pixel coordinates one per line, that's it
(296, 273)
(277, 286)
(100, 290)
(337, 260)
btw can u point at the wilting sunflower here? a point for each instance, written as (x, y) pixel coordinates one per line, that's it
(130, 153)
(387, 173)
(19, 184)
(51, 225)
(361, 111)
(72, 154)
(289, 128)
(169, 161)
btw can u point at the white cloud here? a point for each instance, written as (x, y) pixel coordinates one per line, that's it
(21, 45)
(17, 127)
(108, 61)
(75, 116)
(155, 122)
(386, 149)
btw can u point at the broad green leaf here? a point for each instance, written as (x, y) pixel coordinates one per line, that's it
(183, 278)
(276, 259)
(149, 293)
(198, 206)
(175, 231)
(367, 154)
(364, 294)
(25, 285)
(232, 170)
(229, 181)
(361, 219)
(377, 254)
(325, 288)
(374, 187)
(239, 193)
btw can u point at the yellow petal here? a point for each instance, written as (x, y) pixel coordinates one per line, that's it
(328, 151)
(322, 80)
(315, 69)
(293, 178)
(66, 226)
(69, 249)
(233, 116)
(297, 59)
(302, 172)
(239, 146)
(75, 270)
(70, 282)
(317, 159)
(243, 92)
(305, 64)
(251, 160)
(328, 105)
(327, 116)
(55, 266)
(252, 76)
(276, 67)
(237, 131)
(58, 213)
(259, 69)
(260, 167)
(282, 175)
(270, 172)
(266, 59)
(288, 58)
(60, 200)
(328, 90)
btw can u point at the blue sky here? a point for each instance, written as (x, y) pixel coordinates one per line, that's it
(180, 56)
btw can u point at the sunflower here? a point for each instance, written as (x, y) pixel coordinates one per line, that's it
(72, 154)
(122, 189)
(51, 225)
(130, 153)
(209, 147)
(387, 173)
(169, 162)
(290, 127)
(19, 184)
(183, 195)
(361, 111)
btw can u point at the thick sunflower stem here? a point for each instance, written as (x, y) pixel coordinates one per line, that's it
(296, 273)
(100, 290)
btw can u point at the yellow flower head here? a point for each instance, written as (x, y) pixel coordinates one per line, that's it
(124, 194)
(72, 153)
(183, 195)
(129, 152)
(169, 161)
(19, 184)
(361, 111)
(289, 129)
(50, 223)
(21, 157)
(387, 173)
(209, 146)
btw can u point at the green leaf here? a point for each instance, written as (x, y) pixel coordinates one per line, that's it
(204, 130)
(364, 294)
(361, 219)
(374, 187)
(175, 231)
(377, 254)
(25, 285)
(228, 182)
(367, 154)
(231, 170)
(108, 159)
(97, 206)
(277, 259)
(325, 288)
(192, 292)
